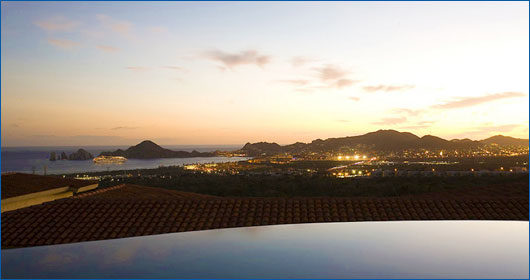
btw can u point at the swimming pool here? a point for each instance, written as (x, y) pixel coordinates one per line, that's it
(405, 249)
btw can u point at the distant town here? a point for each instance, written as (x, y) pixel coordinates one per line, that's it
(496, 156)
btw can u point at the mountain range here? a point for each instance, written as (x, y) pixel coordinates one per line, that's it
(383, 140)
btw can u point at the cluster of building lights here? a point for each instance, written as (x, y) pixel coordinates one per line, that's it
(353, 173)
(354, 157)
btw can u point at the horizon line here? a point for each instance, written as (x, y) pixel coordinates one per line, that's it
(282, 144)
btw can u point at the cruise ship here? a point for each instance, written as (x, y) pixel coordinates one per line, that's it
(109, 159)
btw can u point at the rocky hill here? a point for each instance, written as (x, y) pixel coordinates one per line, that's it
(149, 150)
(80, 155)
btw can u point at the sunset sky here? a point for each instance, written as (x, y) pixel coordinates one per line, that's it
(115, 73)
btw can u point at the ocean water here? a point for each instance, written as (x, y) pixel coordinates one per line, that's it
(36, 159)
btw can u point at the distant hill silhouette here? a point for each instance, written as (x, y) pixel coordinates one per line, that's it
(81, 154)
(148, 150)
(258, 148)
(383, 140)
(505, 141)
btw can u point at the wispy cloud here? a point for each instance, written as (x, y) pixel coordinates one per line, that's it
(387, 88)
(299, 82)
(331, 72)
(333, 76)
(121, 27)
(328, 76)
(354, 98)
(108, 48)
(170, 67)
(137, 68)
(124, 128)
(231, 60)
(391, 121)
(298, 61)
(343, 83)
(63, 43)
(56, 24)
(409, 112)
(461, 102)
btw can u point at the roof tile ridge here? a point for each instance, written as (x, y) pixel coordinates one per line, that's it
(98, 191)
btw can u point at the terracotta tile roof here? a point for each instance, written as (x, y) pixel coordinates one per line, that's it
(130, 191)
(15, 184)
(490, 191)
(116, 213)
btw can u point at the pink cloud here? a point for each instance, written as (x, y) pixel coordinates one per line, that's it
(334, 77)
(137, 68)
(57, 24)
(387, 88)
(461, 102)
(299, 82)
(176, 68)
(331, 72)
(298, 61)
(410, 112)
(108, 48)
(121, 27)
(63, 43)
(231, 60)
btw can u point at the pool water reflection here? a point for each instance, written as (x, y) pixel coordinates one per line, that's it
(411, 249)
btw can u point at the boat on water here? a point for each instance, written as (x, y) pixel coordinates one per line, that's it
(109, 160)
